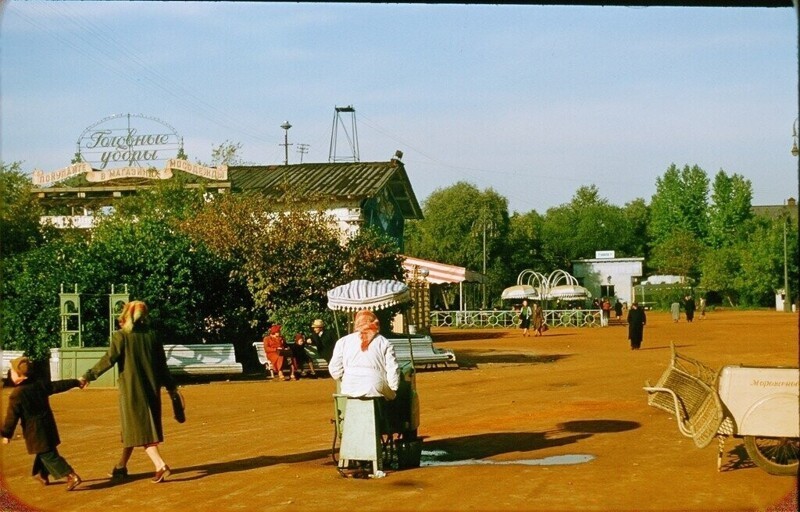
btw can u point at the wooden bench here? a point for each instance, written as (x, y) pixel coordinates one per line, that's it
(425, 354)
(688, 389)
(206, 359)
(319, 363)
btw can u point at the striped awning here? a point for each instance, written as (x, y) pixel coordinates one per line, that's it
(364, 294)
(439, 273)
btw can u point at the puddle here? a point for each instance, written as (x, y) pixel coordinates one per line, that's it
(433, 458)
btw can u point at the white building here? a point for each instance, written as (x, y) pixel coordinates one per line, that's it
(607, 276)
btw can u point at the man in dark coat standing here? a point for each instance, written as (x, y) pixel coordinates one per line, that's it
(689, 306)
(636, 321)
(322, 339)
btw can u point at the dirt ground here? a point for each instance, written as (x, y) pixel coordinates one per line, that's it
(573, 395)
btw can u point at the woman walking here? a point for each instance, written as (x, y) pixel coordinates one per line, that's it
(142, 364)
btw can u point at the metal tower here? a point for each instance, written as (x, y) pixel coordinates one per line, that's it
(352, 135)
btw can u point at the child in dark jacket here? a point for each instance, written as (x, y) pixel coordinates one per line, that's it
(29, 404)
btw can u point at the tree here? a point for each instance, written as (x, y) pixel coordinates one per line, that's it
(577, 229)
(466, 227)
(525, 242)
(636, 215)
(680, 254)
(730, 209)
(453, 227)
(19, 212)
(679, 204)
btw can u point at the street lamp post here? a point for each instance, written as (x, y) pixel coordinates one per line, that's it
(485, 224)
(787, 301)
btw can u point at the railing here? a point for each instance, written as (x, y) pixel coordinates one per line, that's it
(507, 319)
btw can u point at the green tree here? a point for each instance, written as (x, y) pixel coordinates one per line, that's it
(464, 226)
(579, 228)
(680, 254)
(721, 271)
(19, 212)
(679, 204)
(453, 227)
(730, 209)
(29, 318)
(525, 243)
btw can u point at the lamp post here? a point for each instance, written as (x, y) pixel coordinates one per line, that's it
(286, 144)
(484, 223)
(787, 301)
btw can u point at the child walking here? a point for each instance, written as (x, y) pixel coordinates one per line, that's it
(29, 404)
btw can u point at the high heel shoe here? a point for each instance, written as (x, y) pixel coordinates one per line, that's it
(161, 474)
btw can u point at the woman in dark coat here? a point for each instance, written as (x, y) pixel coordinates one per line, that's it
(636, 321)
(143, 370)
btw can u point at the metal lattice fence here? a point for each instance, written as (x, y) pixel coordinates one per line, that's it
(507, 319)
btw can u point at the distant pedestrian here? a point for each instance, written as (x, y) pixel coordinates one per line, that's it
(29, 404)
(605, 312)
(637, 319)
(702, 308)
(675, 309)
(689, 306)
(525, 314)
(618, 310)
(539, 325)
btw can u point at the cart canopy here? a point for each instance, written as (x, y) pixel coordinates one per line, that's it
(364, 294)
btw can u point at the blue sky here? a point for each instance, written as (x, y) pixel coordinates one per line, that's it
(532, 101)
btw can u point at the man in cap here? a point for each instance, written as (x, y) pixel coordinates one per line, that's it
(323, 339)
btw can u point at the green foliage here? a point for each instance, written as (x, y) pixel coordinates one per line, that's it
(680, 254)
(730, 210)
(30, 313)
(584, 225)
(372, 255)
(297, 318)
(19, 211)
(679, 204)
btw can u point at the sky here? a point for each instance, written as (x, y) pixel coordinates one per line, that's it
(530, 101)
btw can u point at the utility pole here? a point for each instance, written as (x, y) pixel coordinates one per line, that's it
(302, 149)
(286, 144)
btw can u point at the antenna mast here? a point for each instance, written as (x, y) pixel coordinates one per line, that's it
(352, 135)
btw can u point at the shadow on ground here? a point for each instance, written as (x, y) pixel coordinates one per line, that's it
(457, 335)
(471, 359)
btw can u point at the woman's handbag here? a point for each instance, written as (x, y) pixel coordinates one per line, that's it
(285, 352)
(178, 406)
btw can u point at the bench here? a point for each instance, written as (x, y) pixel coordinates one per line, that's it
(8, 356)
(319, 363)
(206, 359)
(425, 354)
(688, 389)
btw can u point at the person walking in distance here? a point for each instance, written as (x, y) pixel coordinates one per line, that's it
(637, 319)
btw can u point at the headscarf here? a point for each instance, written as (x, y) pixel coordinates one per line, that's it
(367, 324)
(21, 365)
(134, 313)
(275, 329)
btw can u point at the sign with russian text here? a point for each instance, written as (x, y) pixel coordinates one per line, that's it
(128, 140)
(40, 178)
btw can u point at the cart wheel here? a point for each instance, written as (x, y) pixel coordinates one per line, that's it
(775, 455)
